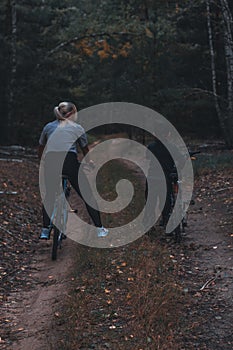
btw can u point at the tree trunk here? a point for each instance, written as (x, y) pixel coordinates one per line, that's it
(228, 46)
(11, 132)
(224, 117)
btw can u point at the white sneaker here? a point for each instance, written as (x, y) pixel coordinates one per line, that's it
(102, 232)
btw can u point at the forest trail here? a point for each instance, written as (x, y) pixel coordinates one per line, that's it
(32, 312)
(205, 266)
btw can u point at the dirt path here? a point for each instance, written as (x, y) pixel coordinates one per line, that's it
(205, 262)
(207, 268)
(33, 310)
(32, 285)
(206, 274)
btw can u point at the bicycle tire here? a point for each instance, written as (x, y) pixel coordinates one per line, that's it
(60, 220)
(177, 234)
(56, 234)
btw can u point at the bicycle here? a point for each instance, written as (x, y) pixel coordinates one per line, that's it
(179, 230)
(59, 217)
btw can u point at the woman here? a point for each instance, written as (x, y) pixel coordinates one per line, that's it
(58, 144)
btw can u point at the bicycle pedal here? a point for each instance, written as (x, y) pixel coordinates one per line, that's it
(63, 236)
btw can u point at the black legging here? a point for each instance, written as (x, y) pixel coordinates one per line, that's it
(71, 167)
(167, 205)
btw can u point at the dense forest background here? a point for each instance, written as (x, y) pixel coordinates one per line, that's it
(175, 57)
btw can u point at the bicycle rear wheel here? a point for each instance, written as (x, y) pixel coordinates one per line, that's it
(177, 234)
(56, 234)
(60, 218)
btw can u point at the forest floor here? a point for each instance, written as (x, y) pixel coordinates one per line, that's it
(36, 293)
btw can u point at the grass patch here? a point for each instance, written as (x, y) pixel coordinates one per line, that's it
(126, 297)
(212, 161)
(108, 177)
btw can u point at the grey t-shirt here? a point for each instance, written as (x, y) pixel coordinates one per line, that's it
(59, 136)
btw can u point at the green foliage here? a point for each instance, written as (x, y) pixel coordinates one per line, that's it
(213, 161)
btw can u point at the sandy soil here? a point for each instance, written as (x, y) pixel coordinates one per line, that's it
(33, 311)
(206, 268)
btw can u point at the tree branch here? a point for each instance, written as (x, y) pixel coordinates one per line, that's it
(85, 36)
(206, 92)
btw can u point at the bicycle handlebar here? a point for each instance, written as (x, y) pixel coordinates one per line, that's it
(173, 174)
(191, 154)
(89, 166)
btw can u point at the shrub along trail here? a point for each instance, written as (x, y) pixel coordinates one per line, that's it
(151, 294)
